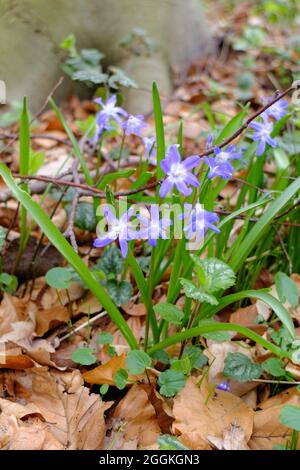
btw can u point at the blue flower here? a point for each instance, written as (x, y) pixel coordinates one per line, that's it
(220, 165)
(263, 131)
(277, 110)
(224, 386)
(154, 226)
(109, 112)
(134, 125)
(178, 172)
(118, 230)
(199, 220)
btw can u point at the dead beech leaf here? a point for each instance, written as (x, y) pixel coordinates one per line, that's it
(134, 422)
(90, 304)
(136, 310)
(199, 413)
(233, 439)
(104, 374)
(267, 429)
(33, 435)
(12, 309)
(50, 318)
(74, 416)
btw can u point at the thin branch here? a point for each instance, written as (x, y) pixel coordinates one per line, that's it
(290, 264)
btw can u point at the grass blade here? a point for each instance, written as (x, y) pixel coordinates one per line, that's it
(159, 128)
(24, 166)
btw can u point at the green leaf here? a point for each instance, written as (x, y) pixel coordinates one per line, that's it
(121, 378)
(105, 338)
(57, 239)
(218, 275)
(35, 162)
(239, 367)
(84, 356)
(111, 261)
(68, 43)
(182, 365)
(296, 356)
(120, 78)
(59, 278)
(104, 389)
(169, 313)
(159, 128)
(275, 305)
(233, 125)
(24, 167)
(171, 382)
(167, 442)
(194, 292)
(286, 289)
(274, 366)
(290, 417)
(219, 336)
(197, 358)
(137, 362)
(161, 356)
(120, 291)
(85, 218)
(9, 282)
(116, 175)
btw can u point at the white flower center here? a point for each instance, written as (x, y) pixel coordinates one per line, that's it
(222, 157)
(177, 172)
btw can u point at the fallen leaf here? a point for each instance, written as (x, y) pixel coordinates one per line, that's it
(199, 413)
(74, 416)
(267, 429)
(133, 422)
(136, 310)
(233, 439)
(104, 374)
(50, 318)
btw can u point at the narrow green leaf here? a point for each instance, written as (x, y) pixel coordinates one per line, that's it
(70, 255)
(231, 127)
(159, 128)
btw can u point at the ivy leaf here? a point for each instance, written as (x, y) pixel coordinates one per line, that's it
(85, 218)
(219, 336)
(137, 362)
(239, 367)
(196, 356)
(105, 338)
(119, 291)
(218, 275)
(169, 312)
(84, 356)
(274, 366)
(196, 293)
(286, 289)
(120, 378)
(59, 278)
(290, 417)
(111, 261)
(182, 365)
(167, 442)
(171, 382)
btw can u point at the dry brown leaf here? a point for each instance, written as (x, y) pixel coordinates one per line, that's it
(74, 416)
(199, 413)
(12, 310)
(104, 374)
(267, 429)
(50, 318)
(233, 439)
(136, 310)
(134, 422)
(90, 304)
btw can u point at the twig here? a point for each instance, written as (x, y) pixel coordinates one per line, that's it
(278, 96)
(285, 382)
(14, 136)
(50, 94)
(287, 211)
(83, 325)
